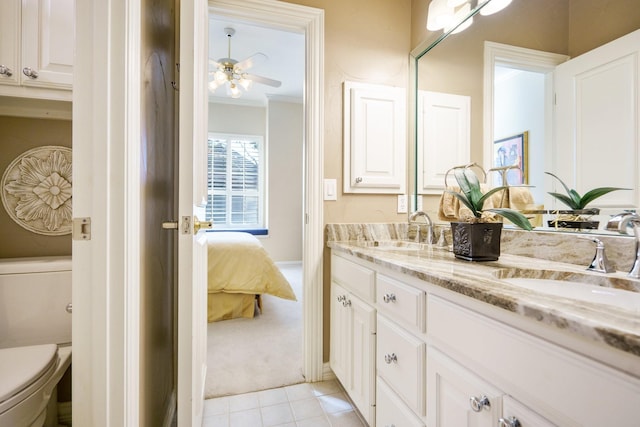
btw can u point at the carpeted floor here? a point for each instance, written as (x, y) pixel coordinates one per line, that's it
(265, 352)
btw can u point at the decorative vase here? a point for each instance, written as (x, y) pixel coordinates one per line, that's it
(476, 242)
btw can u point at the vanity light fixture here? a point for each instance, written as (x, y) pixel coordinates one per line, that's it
(440, 15)
(459, 16)
(493, 6)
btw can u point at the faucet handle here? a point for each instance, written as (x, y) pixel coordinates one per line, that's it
(600, 262)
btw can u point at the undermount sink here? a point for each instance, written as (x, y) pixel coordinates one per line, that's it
(610, 290)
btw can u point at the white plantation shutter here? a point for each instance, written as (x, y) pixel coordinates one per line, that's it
(235, 181)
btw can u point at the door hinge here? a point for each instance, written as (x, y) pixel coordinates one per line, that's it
(81, 229)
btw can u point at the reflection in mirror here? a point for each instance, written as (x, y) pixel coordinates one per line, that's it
(494, 81)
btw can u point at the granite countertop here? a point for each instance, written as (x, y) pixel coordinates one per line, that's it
(616, 327)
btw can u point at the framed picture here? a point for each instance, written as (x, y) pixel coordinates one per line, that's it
(511, 154)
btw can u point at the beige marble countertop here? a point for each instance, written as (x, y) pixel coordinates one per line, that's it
(613, 326)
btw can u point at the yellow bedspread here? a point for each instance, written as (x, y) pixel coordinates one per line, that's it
(238, 264)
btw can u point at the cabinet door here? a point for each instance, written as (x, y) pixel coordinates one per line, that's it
(340, 335)
(10, 42)
(363, 350)
(48, 30)
(457, 397)
(374, 139)
(391, 410)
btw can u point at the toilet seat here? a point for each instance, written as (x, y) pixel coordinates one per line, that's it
(24, 370)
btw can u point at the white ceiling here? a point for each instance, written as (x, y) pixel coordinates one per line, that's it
(284, 50)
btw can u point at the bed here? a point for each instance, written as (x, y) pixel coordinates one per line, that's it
(239, 272)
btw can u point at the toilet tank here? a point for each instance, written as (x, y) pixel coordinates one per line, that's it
(34, 294)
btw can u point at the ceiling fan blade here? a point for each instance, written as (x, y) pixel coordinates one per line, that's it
(255, 59)
(263, 80)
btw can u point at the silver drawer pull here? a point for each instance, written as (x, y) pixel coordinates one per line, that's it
(346, 302)
(358, 180)
(5, 71)
(509, 422)
(389, 298)
(30, 72)
(390, 358)
(341, 298)
(69, 308)
(479, 403)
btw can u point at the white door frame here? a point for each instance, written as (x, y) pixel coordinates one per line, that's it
(106, 169)
(310, 22)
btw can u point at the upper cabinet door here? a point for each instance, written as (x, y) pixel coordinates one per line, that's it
(375, 142)
(10, 42)
(597, 121)
(48, 34)
(444, 137)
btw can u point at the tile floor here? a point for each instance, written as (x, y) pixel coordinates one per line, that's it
(323, 404)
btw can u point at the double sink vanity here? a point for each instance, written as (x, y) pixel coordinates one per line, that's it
(419, 338)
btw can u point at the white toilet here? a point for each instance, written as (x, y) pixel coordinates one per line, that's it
(35, 338)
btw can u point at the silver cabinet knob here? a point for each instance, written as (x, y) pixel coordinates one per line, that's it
(5, 71)
(509, 422)
(69, 308)
(479, 403)
(30, 72)
(390, 358)
(341, 298)
(389, 298)
(346, 302)
(358, 180)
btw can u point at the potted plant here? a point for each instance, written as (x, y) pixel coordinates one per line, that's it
(578, 214)
(477, 237)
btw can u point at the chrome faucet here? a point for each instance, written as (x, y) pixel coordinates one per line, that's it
(413, 219)
(600, 261)
(621, 223)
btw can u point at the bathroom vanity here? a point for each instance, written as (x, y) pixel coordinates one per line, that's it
(419, 338)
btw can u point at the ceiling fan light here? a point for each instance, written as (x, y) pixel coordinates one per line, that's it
(234, 91)
(245, 83)
(494, 6)
(439, 15)
(220, 77)
(213, 85)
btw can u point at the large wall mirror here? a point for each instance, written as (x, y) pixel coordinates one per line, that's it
(496, 80)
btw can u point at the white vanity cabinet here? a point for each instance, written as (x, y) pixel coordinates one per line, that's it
(353, 333)
(37, 48)
(444, 359)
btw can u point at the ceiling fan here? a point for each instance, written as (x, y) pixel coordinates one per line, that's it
(232, 73)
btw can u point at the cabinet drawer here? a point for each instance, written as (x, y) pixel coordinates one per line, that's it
(400, 362)
(358, 279)
(512, 409)
(563, 386)
(401, 302)
(391, 411)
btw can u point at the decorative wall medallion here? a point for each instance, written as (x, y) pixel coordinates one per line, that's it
(36, 190)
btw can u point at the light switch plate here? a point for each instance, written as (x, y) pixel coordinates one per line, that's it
(402, 203)
(330, 189)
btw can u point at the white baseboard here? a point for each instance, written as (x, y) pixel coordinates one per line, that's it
(171, 411)
(288, 263)
(327, 373)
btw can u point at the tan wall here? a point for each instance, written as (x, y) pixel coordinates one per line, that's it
(17, 136)
(365, 41)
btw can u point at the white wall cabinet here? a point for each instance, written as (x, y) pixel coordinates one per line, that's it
(443, 360)
(353, 337)
(37, 48)
(375, 143)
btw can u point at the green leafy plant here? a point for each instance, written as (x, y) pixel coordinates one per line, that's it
(472, 197)
(577, 202)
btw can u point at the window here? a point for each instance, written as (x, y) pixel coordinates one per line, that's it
(235, 184)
